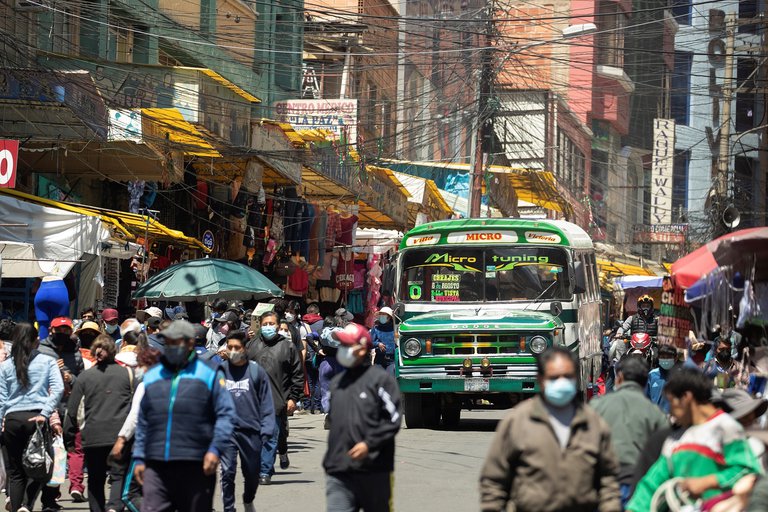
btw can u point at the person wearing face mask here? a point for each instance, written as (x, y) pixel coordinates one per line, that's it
(221, 326)
(106, 390)
(631, 417)
(383, 335)
(110, 317)
(657, 377)
(728, 371)
(365, 417)
(185, 421)
(709, 455)
(249, 386)
(282, 363)
(551, 452)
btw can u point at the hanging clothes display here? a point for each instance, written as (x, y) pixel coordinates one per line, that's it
(345, 270)
(333, 230)
(348, 225)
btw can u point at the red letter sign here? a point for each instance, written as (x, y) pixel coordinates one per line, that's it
(9, 152)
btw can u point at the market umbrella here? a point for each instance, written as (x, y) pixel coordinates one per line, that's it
(206, 279)
(738, 249)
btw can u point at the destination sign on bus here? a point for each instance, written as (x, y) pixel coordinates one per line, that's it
(422, 240)
(482, 237)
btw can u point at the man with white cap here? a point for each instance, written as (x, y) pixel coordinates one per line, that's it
(364, 419)
(383, 337)
(142, 315)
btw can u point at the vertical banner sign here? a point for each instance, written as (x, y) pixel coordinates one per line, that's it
(661, 171)
(9, 157)
(674, 316)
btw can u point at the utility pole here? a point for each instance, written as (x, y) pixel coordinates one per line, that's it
(724, 157)
(483, 90)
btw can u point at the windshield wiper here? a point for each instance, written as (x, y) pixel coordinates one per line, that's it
(539, 297)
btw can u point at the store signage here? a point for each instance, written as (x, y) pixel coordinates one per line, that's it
(542, 237)
(659, 233)
(661, 170)
(482, 237)
(674, 315)
(125, 124)
(337, 116)
(422, 240)
(9, 157)
(208, 240)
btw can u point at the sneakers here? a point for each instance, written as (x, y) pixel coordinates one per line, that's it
(248, 507)
(284, 462)
(23, 509)
(77, 496)
(265, 480)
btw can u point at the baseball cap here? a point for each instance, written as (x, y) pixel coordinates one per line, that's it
(227, 316)
(61, 321)
(88, 326)
(178, 329)
(143, 314)
(200, 333)
(109, 314)
(346, 315)
(353, 334)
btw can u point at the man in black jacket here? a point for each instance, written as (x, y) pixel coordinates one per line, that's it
(106, 390)
(364, 417)
(281, 361)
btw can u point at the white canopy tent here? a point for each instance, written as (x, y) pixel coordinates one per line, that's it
(59, 238)
(18, 259)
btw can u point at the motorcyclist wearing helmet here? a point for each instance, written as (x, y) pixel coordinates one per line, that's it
(645, 320)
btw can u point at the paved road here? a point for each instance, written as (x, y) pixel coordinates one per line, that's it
(435, 470)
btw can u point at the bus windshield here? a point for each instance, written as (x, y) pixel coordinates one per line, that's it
(492, 274)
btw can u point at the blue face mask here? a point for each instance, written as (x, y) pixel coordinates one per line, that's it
(666, 364)
(383, 319)
(268, 331)
(560, 392)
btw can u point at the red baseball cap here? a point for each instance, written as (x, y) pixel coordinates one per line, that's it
(109, 314)
(353, 334)
(61, 321)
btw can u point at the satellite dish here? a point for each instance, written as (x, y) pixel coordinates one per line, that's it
(731, 217)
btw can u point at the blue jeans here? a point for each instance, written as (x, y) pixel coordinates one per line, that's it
(278, 443)
(248, 445)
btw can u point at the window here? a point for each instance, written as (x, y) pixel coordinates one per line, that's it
(569, 162)
(680, 98)
(681, 10)
(680, 186)
(89, 31)
(610, 35)
(120, 42)
(747, 10)
(453, 274)
(745, 97)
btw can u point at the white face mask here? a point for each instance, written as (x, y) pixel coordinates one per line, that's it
(111, 328)
(285, 334)
(346, 356)
(290, 317)
(236, 356)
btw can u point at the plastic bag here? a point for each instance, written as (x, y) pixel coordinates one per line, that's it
(59, 475)
(38, 456)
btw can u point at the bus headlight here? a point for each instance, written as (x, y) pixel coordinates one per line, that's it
(537, 344)
(412, 347)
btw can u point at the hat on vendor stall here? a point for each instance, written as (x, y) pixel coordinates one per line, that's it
(353, 334)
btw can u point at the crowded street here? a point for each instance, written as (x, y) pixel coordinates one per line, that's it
(426, 460)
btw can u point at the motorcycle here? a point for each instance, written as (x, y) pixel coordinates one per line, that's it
(644, 344)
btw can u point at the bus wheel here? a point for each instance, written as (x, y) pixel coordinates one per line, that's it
(414, 413)
(451, 413)
(430, 405)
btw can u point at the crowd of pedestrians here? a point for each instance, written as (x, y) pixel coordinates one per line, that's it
(152, 408)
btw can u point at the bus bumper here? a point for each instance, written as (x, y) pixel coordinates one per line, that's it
(468, 385)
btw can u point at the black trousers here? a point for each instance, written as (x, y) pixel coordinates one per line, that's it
(177, 486)
(99, 464)
(17, 431)
(352, 492)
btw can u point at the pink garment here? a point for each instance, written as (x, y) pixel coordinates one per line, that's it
(333, 231)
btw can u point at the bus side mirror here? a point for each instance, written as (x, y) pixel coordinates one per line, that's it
(388, 280)
(580, 277)
(398, 310)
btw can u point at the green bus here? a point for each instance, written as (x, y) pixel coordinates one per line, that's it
(478, 299)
